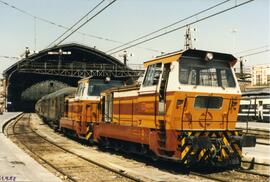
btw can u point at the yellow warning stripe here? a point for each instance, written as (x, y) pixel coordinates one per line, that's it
(238, 149)
(227, 144)
(225, 141)
(226, 149)
(185, 151)
(88, 135)
(201, 154)
(224, 154)
(183, 141)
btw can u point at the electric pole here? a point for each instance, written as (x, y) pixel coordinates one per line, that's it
(188, 38)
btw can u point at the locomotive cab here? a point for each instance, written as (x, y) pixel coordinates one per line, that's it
(83, 109)
(197, 98)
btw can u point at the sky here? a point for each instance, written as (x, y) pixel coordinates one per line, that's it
(244, 28)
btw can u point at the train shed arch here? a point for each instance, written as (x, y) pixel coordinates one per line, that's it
(42, 73)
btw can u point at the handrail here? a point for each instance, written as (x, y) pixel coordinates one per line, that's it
(227, 123)
(184, 106)
(248, 115)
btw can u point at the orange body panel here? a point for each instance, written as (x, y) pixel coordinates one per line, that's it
(79, 114)
(137, 135)
(142, 111)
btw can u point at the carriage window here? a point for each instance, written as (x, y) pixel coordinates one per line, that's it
(152, 75)
(198, 72)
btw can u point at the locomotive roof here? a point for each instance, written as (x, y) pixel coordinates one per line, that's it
(121, 88)
(63, 91)
(84, 80)
(174, 56)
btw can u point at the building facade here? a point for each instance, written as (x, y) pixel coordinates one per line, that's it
(260, 75)
(2, 95)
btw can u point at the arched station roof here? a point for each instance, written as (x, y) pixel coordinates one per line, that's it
(64, 63)
(70, 53)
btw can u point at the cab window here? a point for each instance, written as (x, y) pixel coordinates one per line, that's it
(152, 75)
(197, 72)
(97, 86)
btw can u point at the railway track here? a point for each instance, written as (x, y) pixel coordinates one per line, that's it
(234, 176)
(73, 166)
(70, 165)
(72, 162)
(262, 136)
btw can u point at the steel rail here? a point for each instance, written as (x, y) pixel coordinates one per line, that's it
(77, 155)
(34, 153)
(209, 177)
(252, 172)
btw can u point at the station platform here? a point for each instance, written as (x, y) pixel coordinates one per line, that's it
(253, 125)
(15, 164)
(260, 154)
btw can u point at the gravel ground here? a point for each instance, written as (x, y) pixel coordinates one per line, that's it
(138, 167)
(71, 166)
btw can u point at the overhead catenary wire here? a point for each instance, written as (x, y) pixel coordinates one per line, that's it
(170, 25)
(255, 53)
(77, 22)
(183, 26)
(66, 28)
(88, 20)
(31, 15)
(253, 49)
(53, 23)
(9, 57)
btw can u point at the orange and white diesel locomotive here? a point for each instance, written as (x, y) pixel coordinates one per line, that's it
(184, 110)
(82, 111)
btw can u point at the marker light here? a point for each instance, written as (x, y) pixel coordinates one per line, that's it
(209, 56)
(107, 79)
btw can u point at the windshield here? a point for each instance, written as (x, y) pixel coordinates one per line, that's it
(198, 72)
(97, 86)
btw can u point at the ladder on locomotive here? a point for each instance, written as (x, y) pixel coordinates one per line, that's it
(161, 130)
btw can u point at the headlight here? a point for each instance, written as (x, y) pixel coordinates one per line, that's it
(209, 56)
